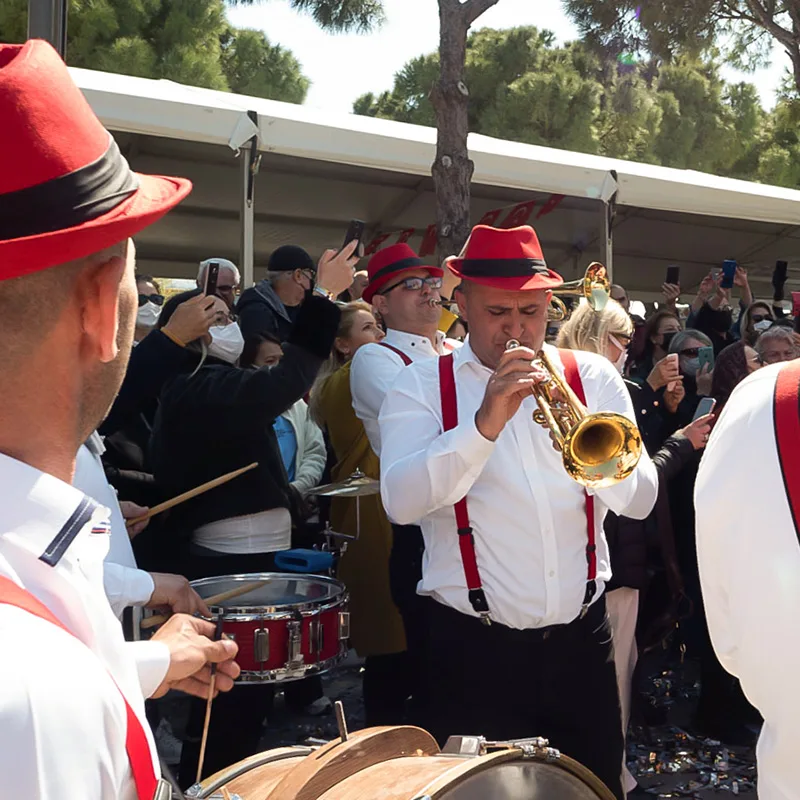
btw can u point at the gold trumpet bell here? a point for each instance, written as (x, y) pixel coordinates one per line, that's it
(594, 287)
(601, 450)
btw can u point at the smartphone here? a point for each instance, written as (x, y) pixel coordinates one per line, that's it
(704, 407)
(779, 279)
(796, 304)
(728, 274)
(212, 276)
(706, 356)
(673, 275)
(355, 230)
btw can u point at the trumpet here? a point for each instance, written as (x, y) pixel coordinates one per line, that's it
(593, 287)
(597, 450)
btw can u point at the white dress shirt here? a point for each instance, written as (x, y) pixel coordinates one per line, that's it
(527, 515)
(749, 560)
(375, 368)
(62, 719)
(125, 584)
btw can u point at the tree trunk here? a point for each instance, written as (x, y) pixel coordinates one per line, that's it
(452, 170)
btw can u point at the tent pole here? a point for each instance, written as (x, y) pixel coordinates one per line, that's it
(610, 190)
(251, 160)
(47, 19)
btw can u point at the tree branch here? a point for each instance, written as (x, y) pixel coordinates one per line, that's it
(763, 19)
(474, 8)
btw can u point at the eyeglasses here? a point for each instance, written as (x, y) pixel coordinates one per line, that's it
(415, 284)
(310, 274)
(156, 299)
(691, 352)
(760, 317)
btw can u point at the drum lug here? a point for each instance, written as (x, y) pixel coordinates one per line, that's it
(295, 630)
(344, 625)
(261, 645)
(316, 633)
(465, 746)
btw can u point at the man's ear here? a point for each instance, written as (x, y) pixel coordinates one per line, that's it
(379, 304)
(98, 289)
(460, 297)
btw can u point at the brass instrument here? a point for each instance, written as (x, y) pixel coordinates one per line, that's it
(594, 287)
(597, 450)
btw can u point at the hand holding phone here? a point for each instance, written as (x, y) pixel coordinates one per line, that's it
(673, 275)
(355, 230)
(704, 408)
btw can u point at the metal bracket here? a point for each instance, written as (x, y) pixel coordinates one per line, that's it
(344, 625)
(295, 644)
(261, 644)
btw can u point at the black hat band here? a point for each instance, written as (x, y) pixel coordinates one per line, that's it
(69, 200)
(503, 267)
(399, 266)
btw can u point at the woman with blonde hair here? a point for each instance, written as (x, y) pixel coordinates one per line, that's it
(376, 628)
(608, 333)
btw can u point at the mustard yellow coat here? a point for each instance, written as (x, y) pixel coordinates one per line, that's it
(376, 627)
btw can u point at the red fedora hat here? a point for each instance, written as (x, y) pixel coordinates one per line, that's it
(386, 264)
(65, 189)
(506, 259)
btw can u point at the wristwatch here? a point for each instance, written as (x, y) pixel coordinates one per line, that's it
(323, 292)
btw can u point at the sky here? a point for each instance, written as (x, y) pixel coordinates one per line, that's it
(344, 66)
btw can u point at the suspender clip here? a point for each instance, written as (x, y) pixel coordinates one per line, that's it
(584, 609)
(485, 618)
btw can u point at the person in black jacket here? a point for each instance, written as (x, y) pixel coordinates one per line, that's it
(214, 419)
(272, 305)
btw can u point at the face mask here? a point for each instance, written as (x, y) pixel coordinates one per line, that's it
(619, 364)
(148, 314)
(690, 366)
(762, 326)
(667, 337)
(227, 342)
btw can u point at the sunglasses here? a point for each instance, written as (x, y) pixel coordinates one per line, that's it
(691, 352)
(416, 284)
(760, 317)
(156, 299)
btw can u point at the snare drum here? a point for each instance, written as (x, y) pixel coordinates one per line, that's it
(290, 627)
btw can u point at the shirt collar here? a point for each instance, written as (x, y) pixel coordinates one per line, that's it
(411, 343)
(466, 355)
(42, 505)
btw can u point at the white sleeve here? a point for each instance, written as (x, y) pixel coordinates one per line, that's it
(635, 497)
(373, 372)
(423, 469)
(309, 472)
(152, 663)
(126, 587)
(62, 719)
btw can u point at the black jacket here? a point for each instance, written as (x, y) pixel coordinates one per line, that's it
(220, 419)
(261, 311)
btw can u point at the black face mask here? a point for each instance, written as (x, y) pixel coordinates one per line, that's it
(667, 337)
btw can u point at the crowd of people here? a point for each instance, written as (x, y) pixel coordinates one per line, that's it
(490, 592)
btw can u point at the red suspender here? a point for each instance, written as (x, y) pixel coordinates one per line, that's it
(573, 377)
(787, 434)
(466, 539)
(135, 740)
(405, 359)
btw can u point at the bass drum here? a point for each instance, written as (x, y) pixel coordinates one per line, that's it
(404, 763)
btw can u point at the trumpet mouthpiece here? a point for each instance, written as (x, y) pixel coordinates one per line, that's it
(511, 344)
(434, 303)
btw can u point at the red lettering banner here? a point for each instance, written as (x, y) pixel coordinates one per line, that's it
(405, 235)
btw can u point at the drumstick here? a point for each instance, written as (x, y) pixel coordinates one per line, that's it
(205, 487)
(157, 619)
(201, 759)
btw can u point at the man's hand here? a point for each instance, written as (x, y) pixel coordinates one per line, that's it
(132, 511)
(673, 397)
(698, 431)
(191, 652)
(509, 385)
(174, 592)
(335, 269)
(740, 280)
(707, 286)
(192, 319)
(665, 372)
(671, 292)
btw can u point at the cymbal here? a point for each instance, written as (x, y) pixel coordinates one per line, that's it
(355, 485)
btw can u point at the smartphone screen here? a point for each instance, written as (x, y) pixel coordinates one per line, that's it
(779, 276)
(673, 275)
(728, 274)
(355, 230)
(705, 406)
(212, 276)
(706, 357)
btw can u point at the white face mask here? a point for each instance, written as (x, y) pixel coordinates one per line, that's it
(148, 315)
(763, 325)
(227, 342)
(619, 364)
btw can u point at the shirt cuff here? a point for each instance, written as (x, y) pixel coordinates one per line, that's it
(139, 587)
(152, 663)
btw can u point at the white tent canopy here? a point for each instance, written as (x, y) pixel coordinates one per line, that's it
(319, 170)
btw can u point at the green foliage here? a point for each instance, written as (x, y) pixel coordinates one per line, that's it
(522, 87)
(337, 15)
(187, 41)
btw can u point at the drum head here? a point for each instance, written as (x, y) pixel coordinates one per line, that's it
(278, 591)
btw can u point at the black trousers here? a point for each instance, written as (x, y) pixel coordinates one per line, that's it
(405, 572)
(237, 717)
(501, 683)
(386, 687)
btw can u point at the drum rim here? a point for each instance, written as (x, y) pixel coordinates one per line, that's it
(285, 674)
(287, 610)
(277, 613)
